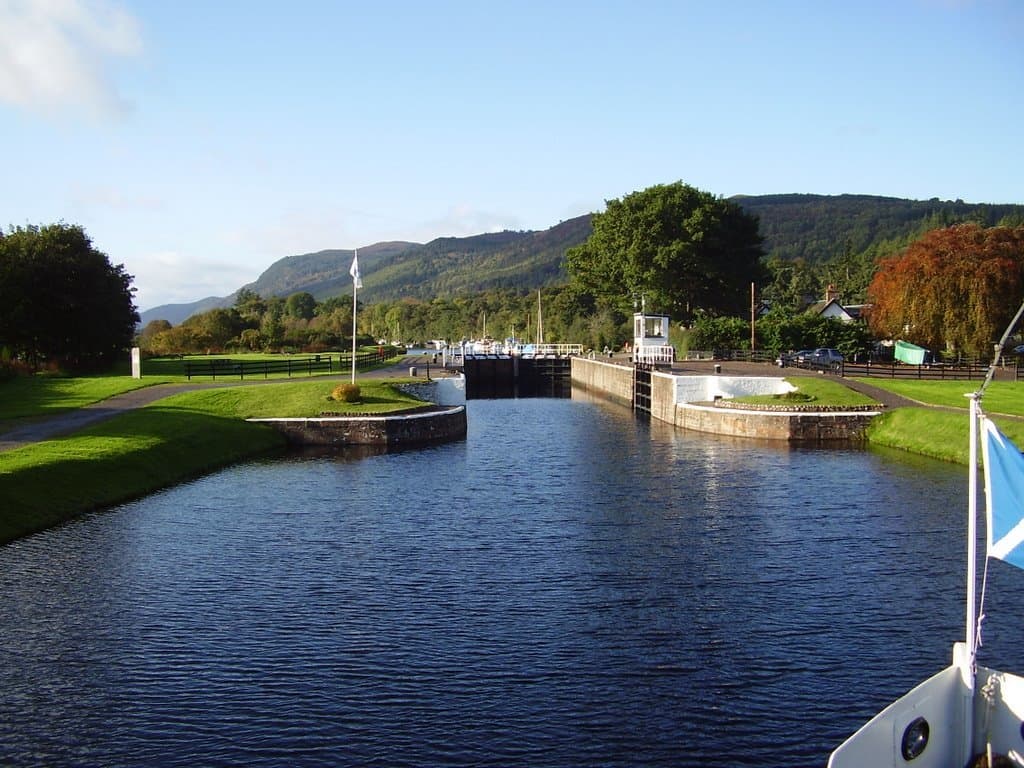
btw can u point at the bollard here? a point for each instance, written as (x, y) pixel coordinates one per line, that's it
(718, 368)
(412, 371)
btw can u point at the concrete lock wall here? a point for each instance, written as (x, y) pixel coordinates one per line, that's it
(780, 425)
(400, 429)
(703, 404)
(447, 390)
(613, 381)
(700, 389)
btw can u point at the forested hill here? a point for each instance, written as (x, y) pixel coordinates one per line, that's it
(817, 228)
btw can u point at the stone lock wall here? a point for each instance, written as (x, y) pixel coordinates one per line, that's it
(703, 404)
(436, 425)
(613, 381)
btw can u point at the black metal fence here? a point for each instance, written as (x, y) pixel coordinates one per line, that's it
(932, 372)
(291, 366)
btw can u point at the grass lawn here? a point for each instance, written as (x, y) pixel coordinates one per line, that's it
(1000, 397)
(160, 444)
(43, 395)
(812, 390)
(943, 433)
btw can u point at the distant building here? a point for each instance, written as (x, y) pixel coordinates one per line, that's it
(833, 308)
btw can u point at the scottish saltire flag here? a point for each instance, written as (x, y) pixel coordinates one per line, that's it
(1004, 490)
(357, 281)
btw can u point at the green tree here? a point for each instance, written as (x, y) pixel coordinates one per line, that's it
(215, 330)
(793, 284)
(300, 305)
(682, 248)
(719, 333)
(250, 306)
(149, 334)
(782, 332)
(61, 298)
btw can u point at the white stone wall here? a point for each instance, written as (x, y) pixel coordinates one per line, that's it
(699, 389)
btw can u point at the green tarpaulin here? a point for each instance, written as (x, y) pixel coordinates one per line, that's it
(911, 354)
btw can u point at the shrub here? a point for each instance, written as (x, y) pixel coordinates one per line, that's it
(346, 393)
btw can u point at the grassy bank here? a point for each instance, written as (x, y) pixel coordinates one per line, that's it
(155, 446)
(942, 432)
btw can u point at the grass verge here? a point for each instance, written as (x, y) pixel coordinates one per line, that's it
(1004, 397)
(31, 396)
(812, 391)
(171, 440)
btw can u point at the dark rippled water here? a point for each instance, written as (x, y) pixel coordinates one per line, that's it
(567, 587)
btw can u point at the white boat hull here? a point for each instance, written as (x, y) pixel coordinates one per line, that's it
(943, 702)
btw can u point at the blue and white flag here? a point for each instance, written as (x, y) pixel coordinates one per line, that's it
(1004, 490)
(357, 281)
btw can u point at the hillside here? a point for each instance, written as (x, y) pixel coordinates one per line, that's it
(817, 228)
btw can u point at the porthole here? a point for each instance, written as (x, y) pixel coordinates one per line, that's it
(915, 739)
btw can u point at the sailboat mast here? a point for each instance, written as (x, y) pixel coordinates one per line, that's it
(540, 321)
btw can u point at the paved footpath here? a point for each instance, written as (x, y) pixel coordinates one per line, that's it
(72, 421)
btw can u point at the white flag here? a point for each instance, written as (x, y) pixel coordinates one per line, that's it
(357, 281)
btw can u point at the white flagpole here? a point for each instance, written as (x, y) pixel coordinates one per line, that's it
(354, 271)
(970, 625)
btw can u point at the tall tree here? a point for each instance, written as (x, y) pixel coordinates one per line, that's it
(953, 288)
(682, 248)
(300, 305)
(62, 299)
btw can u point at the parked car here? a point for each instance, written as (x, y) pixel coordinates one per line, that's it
(825, 357)
(793, 358)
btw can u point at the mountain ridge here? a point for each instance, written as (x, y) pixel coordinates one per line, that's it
(816, 228)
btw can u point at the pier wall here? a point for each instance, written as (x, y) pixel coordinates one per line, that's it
(702, 404)
(610, 380)
(445, 390)
(436, 425)
(796, 426)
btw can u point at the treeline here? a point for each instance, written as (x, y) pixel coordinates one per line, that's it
(302, 324)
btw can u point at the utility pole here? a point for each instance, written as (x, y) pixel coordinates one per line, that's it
(753, 316)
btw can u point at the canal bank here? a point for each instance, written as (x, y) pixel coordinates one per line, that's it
(702, 402)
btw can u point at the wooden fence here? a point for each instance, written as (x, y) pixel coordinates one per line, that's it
(215, 367)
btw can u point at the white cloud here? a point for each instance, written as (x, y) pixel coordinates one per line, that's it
(461, 221)
(55, 54)
(172, 277)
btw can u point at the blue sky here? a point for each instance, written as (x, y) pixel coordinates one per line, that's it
(199, 142)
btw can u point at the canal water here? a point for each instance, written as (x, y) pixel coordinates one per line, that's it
(566, 587)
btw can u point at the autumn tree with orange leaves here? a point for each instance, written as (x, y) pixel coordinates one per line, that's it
(952, 289)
